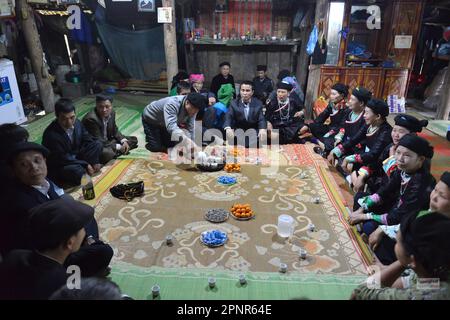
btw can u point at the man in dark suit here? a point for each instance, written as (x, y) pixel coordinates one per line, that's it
(57, 228)
(73, 151)
(101, 124)
(246, 113)
(29, 189)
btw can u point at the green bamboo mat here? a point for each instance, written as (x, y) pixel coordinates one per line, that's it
(192, 284)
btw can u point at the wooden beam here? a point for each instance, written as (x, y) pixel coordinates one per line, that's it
(26, 18)
(170, 44)
(322, 7)
(444, 107)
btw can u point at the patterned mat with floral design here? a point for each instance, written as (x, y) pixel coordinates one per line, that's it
(176, 201)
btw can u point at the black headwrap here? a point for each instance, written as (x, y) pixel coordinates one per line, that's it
(425, 236)
(409, 122)
(417, 144)
(379, 107)
(341, 88)
(362, 94)
(284, 85)
(445, 178)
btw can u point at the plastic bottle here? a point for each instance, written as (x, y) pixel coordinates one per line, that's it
(87, 186)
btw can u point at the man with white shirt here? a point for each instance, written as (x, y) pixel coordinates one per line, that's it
(101, 124)
(246, 113)
(30, 188)
(73, 151)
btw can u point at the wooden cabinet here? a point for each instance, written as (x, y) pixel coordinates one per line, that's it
(381, 82)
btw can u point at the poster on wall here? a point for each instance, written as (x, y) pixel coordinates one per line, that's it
(5, 8)
(165, 15)
(11, 110)
(146, 5)
(5, 91)
(403, 42)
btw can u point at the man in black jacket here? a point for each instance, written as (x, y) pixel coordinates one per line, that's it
(31, 188)
(57, 228)
(246, 113)
(73, 151)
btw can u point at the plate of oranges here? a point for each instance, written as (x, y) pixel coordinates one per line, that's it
(232, 168)
(242, 212)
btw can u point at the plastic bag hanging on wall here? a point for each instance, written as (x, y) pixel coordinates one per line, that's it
(314, 35)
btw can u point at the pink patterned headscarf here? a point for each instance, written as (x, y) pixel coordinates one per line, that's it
(196, 78)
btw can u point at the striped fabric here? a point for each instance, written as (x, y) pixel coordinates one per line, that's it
(242, 16)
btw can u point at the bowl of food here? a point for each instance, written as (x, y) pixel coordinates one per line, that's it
(213, 238)
(242, 212)
(217, 215)
(210, 163)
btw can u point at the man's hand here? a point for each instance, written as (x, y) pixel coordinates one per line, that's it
(97, 167)
(125, 147)
(89, 170)
(211, 100)
(375, 238)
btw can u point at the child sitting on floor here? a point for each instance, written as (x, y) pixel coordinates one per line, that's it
(408, 189)
(374, 138)
(423, 246)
